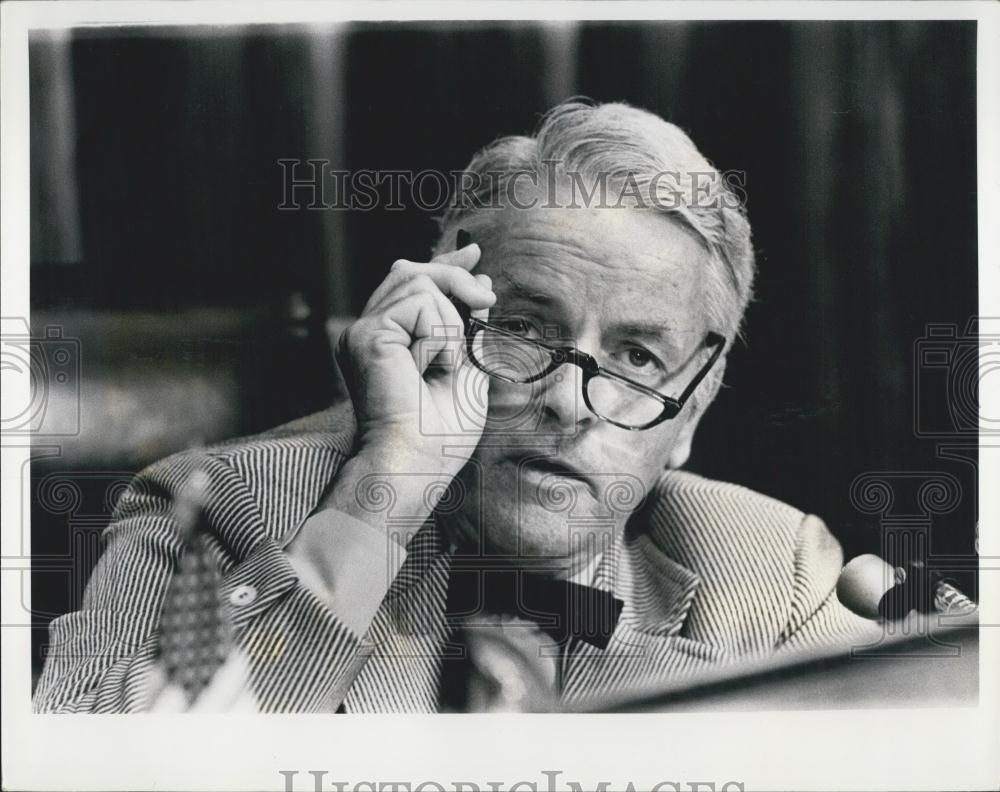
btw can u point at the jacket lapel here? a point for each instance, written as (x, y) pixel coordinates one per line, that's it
(650, 646)
(647, 645)
(698, 582)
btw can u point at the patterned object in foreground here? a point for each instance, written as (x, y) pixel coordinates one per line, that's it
(195, 631)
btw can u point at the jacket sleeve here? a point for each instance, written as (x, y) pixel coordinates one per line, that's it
(100, 657)
(817, 618)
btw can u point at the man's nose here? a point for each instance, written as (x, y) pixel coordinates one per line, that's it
(562, 398)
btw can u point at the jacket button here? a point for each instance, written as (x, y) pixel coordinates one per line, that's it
(242, 595)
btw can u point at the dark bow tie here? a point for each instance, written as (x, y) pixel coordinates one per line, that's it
(562, 609)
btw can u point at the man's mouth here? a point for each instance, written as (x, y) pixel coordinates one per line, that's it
(549, 466)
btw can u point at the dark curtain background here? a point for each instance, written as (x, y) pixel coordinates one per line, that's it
(199, 306)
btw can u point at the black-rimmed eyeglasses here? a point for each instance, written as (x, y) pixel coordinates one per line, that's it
(512, 357)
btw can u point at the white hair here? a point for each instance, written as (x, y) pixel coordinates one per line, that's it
(623, 145)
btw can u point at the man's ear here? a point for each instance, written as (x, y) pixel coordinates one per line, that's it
(681, 449)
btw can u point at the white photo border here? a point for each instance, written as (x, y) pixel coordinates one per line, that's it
(865, 749)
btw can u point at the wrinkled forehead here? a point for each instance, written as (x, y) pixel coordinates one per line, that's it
(626, 264)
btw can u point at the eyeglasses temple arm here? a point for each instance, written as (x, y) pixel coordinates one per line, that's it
(720, 344)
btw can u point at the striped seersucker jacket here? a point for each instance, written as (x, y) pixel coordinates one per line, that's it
(720, 573)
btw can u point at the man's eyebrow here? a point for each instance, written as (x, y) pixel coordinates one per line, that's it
(654, 329)
(657, 331)
(519, 290)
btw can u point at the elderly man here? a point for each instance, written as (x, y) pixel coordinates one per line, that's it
(508, 467)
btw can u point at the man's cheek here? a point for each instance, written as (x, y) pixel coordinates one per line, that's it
(645, 458)
(661, 441)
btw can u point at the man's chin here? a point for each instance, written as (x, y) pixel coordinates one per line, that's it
(534, 537)
(532, 518)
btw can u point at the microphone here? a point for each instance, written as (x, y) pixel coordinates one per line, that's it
(872, 588)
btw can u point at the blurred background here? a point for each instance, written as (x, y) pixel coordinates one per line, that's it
(179, 306)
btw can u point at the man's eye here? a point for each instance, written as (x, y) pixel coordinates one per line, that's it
(517, 325)
(639, 362)
(639, 358)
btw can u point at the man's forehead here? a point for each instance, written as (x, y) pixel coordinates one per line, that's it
(612, 225)
(550, 281)
(636, 268)
(640, 246)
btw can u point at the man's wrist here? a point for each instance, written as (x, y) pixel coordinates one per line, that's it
(346, 563)
(382, 482)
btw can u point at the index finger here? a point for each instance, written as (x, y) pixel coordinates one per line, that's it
(466, 257)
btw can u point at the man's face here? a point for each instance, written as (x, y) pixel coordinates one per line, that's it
(550, 479)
